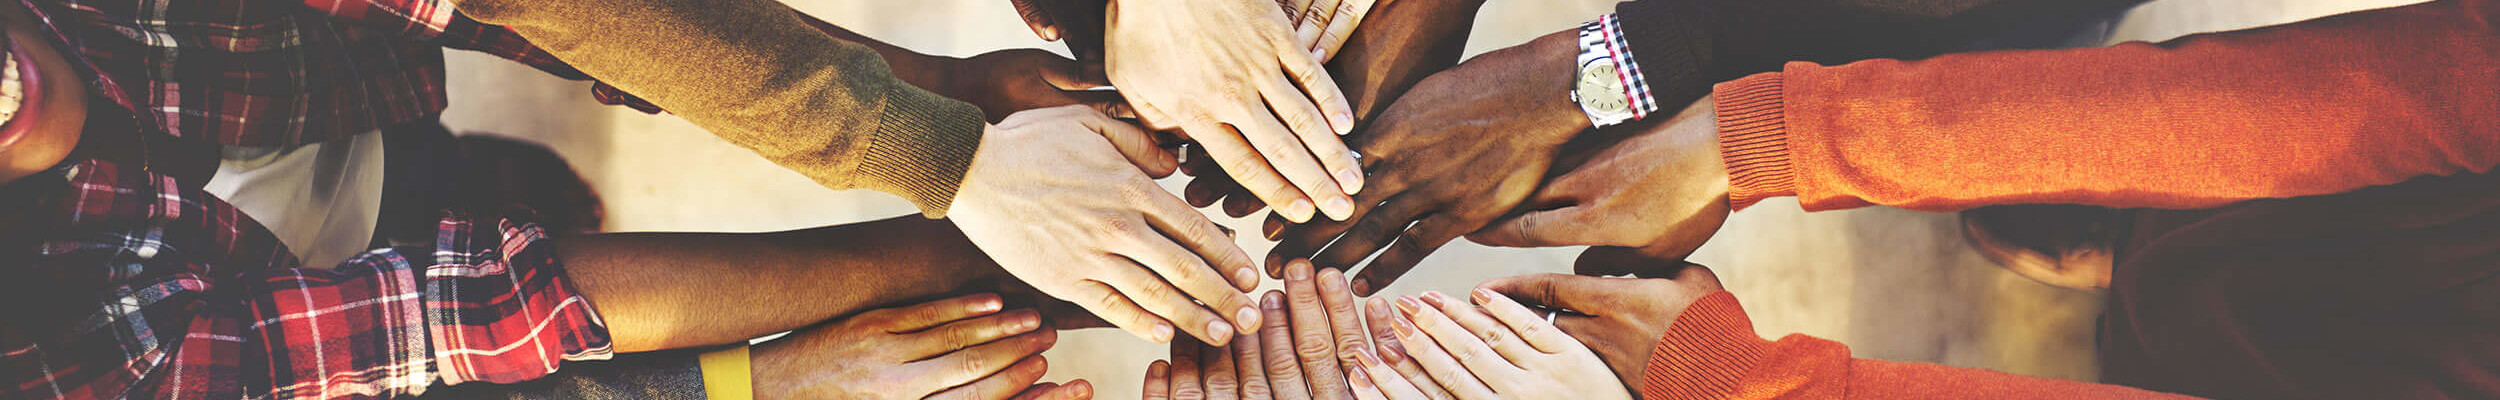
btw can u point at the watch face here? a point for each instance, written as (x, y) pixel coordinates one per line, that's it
(1600, 90)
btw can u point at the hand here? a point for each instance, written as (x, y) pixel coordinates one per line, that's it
(1621, 319)
(1663, 191)
(1408, 40)
(1058, 210)
(1231, 75)
(1008, 81)
(1312, 337)
(1462, 149)
(1500, 351)
(956, 348)
(1322, 26)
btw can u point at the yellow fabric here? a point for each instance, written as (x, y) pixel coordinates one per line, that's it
(756, 74)
(726, 374)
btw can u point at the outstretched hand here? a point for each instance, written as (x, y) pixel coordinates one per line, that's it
(1620, 319)
(957, 348)
(1663, 192)
(1050, 199)
(1231, 75)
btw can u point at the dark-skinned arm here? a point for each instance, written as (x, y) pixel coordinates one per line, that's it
(677, 290)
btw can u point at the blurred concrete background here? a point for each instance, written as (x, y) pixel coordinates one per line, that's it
(1894, 284)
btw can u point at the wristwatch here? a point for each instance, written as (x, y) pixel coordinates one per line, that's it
(1608, 85)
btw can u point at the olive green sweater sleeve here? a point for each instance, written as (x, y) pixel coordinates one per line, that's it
(752, 72)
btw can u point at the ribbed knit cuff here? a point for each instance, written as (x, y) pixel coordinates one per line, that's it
(1753, 138)
(1705, 353)
(923, 145)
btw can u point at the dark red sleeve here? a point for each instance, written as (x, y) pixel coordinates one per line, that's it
(2317, 107)
(1711, 352)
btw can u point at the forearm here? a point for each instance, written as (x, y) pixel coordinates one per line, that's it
(756, 74)
(928, 72)
(675, 290)
(1398, 45)
(2318, 107)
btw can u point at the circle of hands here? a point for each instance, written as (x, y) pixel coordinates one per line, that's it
(1061, 194)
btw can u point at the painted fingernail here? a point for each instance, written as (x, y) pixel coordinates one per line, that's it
(1391, 354)
(1408, 305)
(1299, 211)
(1362, 286)
(1436, 299)
(1299, 270)
(1360, 378)
(1484, 296)
(1366, 358)
(1406, 329)
(1160, 333)
(1350, 179)
(1339, 208)
(1218, 332)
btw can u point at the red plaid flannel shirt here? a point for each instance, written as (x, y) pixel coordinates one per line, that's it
(271, 73)
(191, 298)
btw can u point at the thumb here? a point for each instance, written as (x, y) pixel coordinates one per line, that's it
(1559, 291)
(1135, 143)
(1038, 19)
(1073, 75)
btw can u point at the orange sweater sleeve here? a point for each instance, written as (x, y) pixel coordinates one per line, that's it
(2316, 107)
(1711, 352)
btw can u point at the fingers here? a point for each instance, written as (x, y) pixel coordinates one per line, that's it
(1368, 235)
(1295, 9)
(1210, 244)
(1186, 379)
(1307, 123)
(1435, 361)
(976, 362)
(1284, 369)
(1137, 145)
(1557, 291)
(1462, 345)
(1222, 382)
(1251, 168)
(924, 315)
(1073, 390)
(1542, 228)
(1322, 89)
(1173, 304)
(1350, 13)
(1347, 323)
(1412, 246)
(1382, 316)
(1314, 342)
(1158, 381)
(960, 334)
(1315, 21)
(1491, 333)
(1250, 366)
(1376, 376)
(1528, 324)
(1285, 146)
(1038, 19)
(1008, 382)
(1115, 307)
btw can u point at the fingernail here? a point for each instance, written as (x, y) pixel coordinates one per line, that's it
(1408, 305)
(1160, 333)
(986, 304)
(1025, 322)
(1273, 229)
(1406, 330)
(1362, 286)
(1219, 331)
(1392, 355)
(1249, 318)
(1299, 270)
(1350, 179)
(1299, 211)
(1319, 54)
(1102, 89)
(1435, 299)
(1484, 296)
(1360, 378)
(1246, 275)
(1338, 208)
(1344, 122)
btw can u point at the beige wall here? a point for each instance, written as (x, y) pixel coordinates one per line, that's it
(1894, 284)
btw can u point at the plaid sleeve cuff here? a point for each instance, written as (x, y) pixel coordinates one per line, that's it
(498, 309)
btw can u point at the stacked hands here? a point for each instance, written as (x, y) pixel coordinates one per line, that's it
(1259, 107)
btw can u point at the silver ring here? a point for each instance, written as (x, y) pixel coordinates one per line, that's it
(1549, 315)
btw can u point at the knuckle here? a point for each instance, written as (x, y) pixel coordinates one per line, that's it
(1315, 349)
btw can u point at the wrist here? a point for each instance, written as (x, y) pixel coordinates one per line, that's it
(1553, 63)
